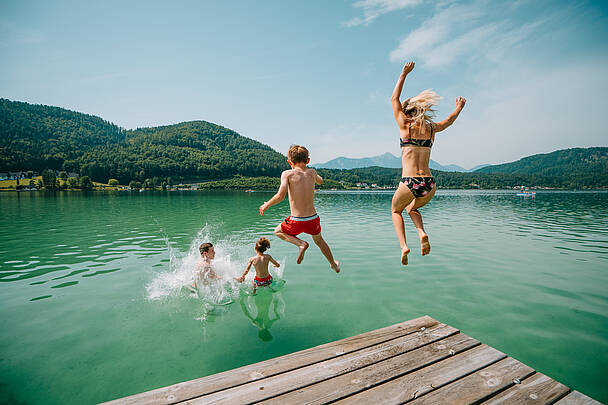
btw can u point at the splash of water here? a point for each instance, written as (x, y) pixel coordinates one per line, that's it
(230, 260)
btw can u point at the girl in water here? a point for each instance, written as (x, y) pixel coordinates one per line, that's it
(417, 134)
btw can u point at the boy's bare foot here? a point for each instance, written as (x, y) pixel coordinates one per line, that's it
(335, 266)
(404, 252)
(303, 248)
(425, 245)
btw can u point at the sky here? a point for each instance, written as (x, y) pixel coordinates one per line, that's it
(320, 73)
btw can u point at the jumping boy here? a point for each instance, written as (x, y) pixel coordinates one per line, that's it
(300, 182)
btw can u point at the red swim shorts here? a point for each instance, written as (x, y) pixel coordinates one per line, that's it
(296, 225)
(263, 282)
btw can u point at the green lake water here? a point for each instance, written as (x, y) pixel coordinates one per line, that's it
(92, 304)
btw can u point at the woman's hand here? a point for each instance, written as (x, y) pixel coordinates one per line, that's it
(408, 67)
(460, 102)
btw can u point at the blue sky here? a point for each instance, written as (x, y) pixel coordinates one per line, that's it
(320, 73)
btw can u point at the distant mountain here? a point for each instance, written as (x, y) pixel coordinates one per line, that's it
(472, 169)
(38, 137)
(386, 160)
(566, 162)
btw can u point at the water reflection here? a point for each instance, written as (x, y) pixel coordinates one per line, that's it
(263, 309)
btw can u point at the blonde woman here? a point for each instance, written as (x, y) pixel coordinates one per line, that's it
(417, 134)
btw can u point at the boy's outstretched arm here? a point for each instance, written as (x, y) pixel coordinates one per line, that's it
(279, 196)
(242, 278)
(440, 126)
(318, 179)
(274, 262)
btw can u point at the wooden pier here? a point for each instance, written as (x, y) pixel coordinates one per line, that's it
(421, 361)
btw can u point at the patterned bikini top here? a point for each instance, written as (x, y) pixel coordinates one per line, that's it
(427, 143)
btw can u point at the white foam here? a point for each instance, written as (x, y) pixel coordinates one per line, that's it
(230, 261)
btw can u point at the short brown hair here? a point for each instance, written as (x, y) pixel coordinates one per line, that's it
(262, 244)
(204, 248)
(297, 154)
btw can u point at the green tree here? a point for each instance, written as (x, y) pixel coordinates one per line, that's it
(29, 174)
(72, 182)
(49, 179)
(113, 182)
(86, 183)
(63, 175)
(134, 185)
(163, 185)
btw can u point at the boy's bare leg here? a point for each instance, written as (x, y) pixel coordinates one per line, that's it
(334, 264)
(402, 197)
(301, 244)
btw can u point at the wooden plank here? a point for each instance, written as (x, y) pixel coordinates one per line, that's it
(292, 380)
(479, 385)
(358, 380)
(538, 389)
(252, 372)
(576, 398)
(410, 386)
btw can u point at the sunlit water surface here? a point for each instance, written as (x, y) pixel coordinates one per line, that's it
(93, 305)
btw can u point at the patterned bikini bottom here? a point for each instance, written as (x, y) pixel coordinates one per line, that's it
(419, 186)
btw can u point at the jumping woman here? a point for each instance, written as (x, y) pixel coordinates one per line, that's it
(417, 134)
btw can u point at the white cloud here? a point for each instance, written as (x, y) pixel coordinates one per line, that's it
(373, 9)
(528, 111)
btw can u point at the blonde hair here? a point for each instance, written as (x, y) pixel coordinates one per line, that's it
(419, 108)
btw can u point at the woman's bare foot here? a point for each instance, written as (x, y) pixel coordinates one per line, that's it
(335, 266)
(425, 245)
(302, 251)
(404, 252)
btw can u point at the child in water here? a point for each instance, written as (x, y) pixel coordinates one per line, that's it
(260, 264)
(203, 271)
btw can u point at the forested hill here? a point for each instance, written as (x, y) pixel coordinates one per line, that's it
(38, 137)
(566, 162)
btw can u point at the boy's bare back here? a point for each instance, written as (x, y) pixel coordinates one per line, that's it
(260, 264)
(301, 185)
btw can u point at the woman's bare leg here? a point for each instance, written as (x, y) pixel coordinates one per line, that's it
(402, 197)
(416, 217)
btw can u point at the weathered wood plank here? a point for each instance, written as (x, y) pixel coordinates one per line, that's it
(538, 389)
(252, 372)
(358, 380)
(479, 385)
(410, 386)
(576, 398)
(292, 380)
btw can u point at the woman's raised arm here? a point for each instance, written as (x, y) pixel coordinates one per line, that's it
(395, 102)
(440, 126)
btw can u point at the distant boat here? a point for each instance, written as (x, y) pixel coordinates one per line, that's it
(249, 191)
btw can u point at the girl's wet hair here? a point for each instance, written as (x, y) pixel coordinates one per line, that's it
(262, 245)
(204, 248)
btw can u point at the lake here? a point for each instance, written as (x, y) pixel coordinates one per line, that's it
(93, 304)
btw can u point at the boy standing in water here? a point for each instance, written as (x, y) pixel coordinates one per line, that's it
(260, 264)
(300, 183)
(204, 271)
